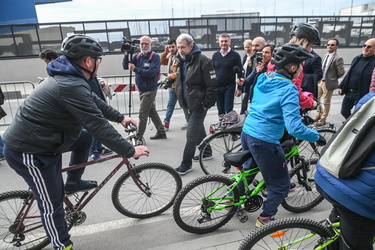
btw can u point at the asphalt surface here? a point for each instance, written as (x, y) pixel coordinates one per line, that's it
(105, 228)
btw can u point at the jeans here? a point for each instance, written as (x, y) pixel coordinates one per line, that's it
(1, 146)
(225, 98)
(271, 161)
(349, 101)
(147, 109)
(195, 133)
(172, 100)
(357, 231)
(95, 146)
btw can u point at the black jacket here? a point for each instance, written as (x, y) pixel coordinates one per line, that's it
(51, 118)
(364, 83)
(201, 84)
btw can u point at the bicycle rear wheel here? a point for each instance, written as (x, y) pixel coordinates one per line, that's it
(220, 142)
(288, 233)
(191, 204)
(30, 234)
(162, 181)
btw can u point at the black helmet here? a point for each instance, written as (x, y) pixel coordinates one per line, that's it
(306, 30)
(289, 53)
(77, 45)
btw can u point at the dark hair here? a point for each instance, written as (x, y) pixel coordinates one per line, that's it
(48, 54)
(334, 39)
(171, 41)
(272, 46)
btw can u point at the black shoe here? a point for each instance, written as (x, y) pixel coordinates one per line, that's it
(183, 170)
(159, 136)
(82, 185)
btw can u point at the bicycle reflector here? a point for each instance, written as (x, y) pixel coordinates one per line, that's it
(278, 234)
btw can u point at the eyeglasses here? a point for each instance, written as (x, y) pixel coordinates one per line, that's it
(145, 44)
(97, 59)
(366, 46)
(331, 44)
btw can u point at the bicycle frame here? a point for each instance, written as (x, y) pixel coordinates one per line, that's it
(83, 202)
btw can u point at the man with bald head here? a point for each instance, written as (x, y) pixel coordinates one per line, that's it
(356, 82)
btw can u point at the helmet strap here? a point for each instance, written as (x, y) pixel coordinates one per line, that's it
(88, 71)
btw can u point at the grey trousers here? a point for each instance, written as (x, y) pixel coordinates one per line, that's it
(147, 109)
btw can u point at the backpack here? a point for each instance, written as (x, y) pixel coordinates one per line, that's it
(150, 58)
(345, 152)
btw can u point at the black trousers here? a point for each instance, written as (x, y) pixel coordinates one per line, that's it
(357, 231)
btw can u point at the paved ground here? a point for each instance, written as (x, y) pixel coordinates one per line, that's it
(105, 228)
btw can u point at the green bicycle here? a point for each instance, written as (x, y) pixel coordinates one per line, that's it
(294, 233)
(210, 201)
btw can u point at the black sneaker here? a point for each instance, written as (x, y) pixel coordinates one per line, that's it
(82, 185)
(183, 170)
(205, 158)
(159, 136)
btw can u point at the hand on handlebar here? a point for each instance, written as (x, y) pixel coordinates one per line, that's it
(321, 141)
(128, 120)
(140, 151)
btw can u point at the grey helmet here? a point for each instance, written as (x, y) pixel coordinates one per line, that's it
(306, 30)
(78, 45)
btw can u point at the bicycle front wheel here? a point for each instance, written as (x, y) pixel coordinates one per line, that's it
(162, 181)
(28, 234)
(192, 205)
(220, 143)
(288, 233)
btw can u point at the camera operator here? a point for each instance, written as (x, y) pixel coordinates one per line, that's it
(260, 67)
(146, 67)
(244, 87)
(168, 57)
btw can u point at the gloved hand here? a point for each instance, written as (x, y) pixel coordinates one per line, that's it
(321, 141)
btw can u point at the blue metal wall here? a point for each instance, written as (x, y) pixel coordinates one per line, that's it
(21, 11)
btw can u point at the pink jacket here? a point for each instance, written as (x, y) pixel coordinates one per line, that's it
(372, 83)
(304, 101)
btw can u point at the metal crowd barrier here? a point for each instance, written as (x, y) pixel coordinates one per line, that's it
(15, 92)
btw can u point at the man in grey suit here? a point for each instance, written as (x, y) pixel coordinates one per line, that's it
(333, 69)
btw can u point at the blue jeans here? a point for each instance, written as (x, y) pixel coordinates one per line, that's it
(172, 100)
(271, 161)
(195, 133)
(95, 146)
(1, 146)
(349, 101)
(225, 98)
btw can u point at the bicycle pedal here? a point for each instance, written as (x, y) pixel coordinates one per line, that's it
(242, 216)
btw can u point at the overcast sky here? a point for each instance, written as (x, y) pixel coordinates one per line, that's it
(91, 10)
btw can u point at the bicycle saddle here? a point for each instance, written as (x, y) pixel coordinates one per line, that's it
(238, 158)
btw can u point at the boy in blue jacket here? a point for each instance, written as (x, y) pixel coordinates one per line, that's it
(275, 106)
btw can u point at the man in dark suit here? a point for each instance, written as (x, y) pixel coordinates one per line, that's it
(312, 73)
(356, 82)
(333, 69)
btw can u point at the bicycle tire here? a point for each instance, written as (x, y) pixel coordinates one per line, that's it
(221, 142)
(189, 206)
(10, 205)
(163, 182)
(277, 235)
(304, 195)
(305, 149)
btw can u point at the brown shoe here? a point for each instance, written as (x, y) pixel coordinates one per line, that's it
(159, 136)
(321, 123)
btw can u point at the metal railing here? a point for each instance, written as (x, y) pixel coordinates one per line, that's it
(28, 40)
(15, 93)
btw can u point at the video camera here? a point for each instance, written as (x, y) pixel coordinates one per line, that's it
(166, 83)
(259, 56)
(129, 46)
